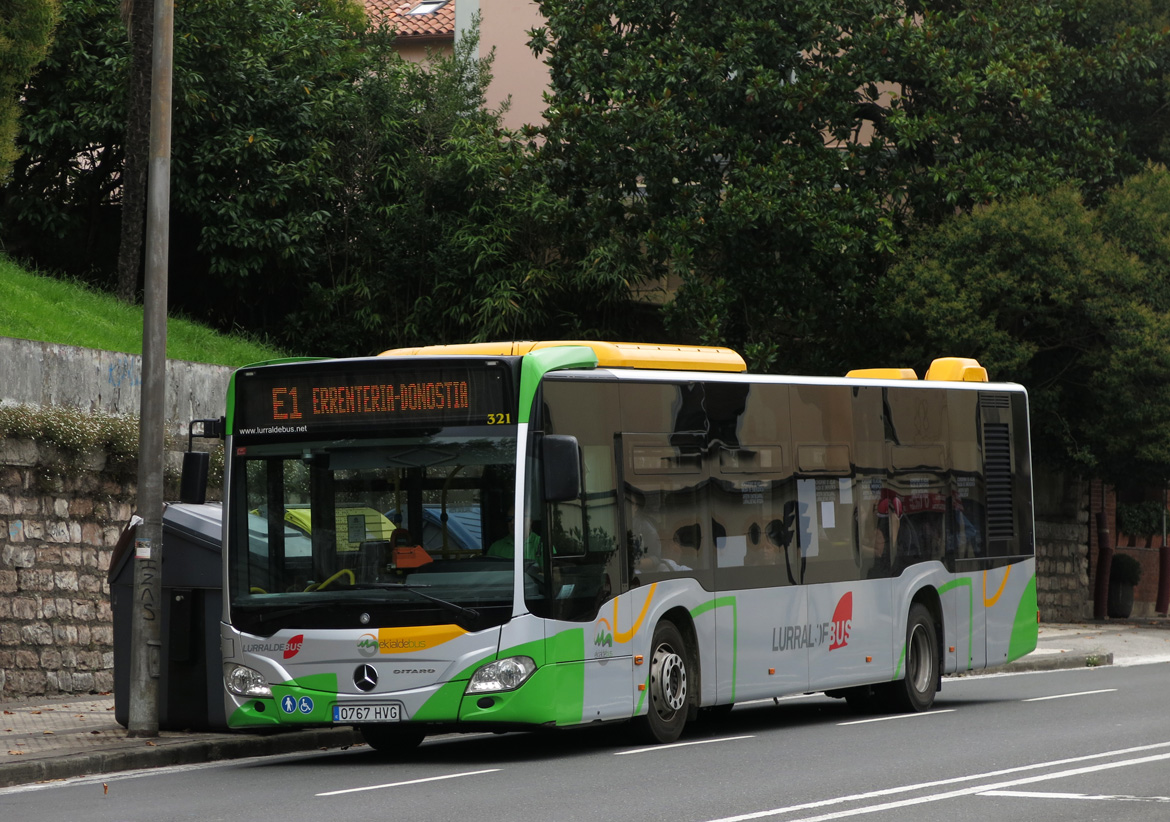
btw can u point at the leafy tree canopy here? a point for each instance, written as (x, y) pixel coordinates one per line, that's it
(325, 192)
(763, 161)
(1073, 302)
(26, 28)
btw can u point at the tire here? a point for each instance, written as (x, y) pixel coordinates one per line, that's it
(391, 741)
(915, 692)
(669, 687)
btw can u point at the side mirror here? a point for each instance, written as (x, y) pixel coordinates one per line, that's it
(561, 459)
(193, 482)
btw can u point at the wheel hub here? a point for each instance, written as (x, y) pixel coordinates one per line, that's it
(669, 681)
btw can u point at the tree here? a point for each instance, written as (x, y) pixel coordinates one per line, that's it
(26, 29)
(59, 208)
(325, 192)
(763, 162)
(1070, 301)
(264, 94)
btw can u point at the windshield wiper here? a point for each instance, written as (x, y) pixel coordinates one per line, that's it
(466, 613)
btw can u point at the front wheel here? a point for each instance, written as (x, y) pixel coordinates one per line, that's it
(916, 691)
(668, 688)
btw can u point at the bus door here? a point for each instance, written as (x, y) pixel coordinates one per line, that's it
(670, 535)
(583, 595)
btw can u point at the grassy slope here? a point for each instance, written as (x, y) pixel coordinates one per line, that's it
(46, 309)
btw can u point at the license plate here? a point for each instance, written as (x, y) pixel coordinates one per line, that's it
(367, 713)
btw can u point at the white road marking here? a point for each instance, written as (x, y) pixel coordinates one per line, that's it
(898, 716)
(656, 748)
(1066, 696)
(840, 800)
(409, 782)
(1048, 795)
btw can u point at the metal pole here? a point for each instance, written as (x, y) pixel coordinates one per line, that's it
(146, 616)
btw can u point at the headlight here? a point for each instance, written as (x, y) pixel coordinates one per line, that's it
(501, 675)
(244, 681)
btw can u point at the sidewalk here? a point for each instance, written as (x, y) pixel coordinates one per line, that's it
(69, 737)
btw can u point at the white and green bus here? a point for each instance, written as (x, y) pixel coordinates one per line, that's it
(690, 536)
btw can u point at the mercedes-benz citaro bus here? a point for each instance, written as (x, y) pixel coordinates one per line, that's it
(551, 534)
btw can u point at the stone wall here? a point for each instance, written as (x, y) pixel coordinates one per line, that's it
(58, 528)
(1062, 557)
(56, 538)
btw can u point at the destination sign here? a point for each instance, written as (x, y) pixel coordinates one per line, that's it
(303, 398)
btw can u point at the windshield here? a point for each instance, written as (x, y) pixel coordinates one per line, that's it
(373, 532)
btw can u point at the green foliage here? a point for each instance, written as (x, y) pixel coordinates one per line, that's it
(72, 120)
(1125, 570)
(26, 28)
(1140, 519)
(1041, 295)
(764, 161)
(325, 192)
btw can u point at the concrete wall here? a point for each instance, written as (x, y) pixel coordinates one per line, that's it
(45, 374)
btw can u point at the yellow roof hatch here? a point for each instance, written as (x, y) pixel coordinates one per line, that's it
(609, 354)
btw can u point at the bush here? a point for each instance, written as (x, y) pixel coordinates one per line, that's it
(1140, 519)
(1125, 570)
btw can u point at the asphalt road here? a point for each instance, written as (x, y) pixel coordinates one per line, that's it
(1085, 744)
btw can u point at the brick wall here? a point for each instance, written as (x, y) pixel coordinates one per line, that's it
(1145, 595)
(57, 531)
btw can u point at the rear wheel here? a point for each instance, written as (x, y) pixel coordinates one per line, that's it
(668, 689)
(391, 741)
(916, 691)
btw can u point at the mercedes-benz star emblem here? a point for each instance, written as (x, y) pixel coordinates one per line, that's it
(364, 619)
(365, 677)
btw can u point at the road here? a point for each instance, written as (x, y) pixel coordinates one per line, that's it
(1068, 745)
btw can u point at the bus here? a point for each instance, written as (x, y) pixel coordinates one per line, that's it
(506, 536)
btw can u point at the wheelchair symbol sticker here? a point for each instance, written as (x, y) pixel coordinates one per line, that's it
(305, 705)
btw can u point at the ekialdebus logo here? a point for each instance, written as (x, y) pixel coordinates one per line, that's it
(368, 645)
(374, 644)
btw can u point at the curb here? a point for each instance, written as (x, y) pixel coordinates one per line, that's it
(1055, 662)
(186, 751)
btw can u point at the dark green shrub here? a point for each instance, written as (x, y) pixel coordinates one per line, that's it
(1140, 519)
(1125, 570)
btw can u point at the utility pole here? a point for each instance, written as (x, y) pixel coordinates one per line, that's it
(146, 614)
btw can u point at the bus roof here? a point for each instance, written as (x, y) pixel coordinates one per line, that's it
(609, 354)
(681, 358)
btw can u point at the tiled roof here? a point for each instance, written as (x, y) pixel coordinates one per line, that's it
(439, 23)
